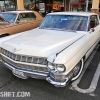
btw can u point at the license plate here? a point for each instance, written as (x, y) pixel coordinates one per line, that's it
(16, 72)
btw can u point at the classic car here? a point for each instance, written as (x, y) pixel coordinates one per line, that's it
(55, 51)
(12, 22)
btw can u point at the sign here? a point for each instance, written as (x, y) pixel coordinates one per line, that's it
(57, 6)
(42, 7)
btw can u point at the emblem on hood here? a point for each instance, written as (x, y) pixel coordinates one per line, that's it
(15, 49)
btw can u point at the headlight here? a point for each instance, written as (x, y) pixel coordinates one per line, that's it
(51, 66)
(57, 67)
(60, 68)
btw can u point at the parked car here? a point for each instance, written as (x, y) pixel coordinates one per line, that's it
(56, 50)
(12, 22)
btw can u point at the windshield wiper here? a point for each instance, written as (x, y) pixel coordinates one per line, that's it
(62, 29)
(71, 30)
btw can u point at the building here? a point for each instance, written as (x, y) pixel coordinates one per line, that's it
(53, 5)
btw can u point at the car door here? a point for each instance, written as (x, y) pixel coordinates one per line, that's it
(93, 34)
(94, 28)
(25, 22)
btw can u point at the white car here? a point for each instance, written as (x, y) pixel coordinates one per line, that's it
(56, 50)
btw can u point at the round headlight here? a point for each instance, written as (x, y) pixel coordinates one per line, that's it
(50, 66)
(60, 68)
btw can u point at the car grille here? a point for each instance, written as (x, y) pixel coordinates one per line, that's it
(24, 66)
(26, 59)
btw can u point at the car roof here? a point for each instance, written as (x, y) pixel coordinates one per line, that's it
(74, 13)
(18, 11)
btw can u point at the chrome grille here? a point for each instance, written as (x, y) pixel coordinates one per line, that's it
(24, 66)
(26, 59)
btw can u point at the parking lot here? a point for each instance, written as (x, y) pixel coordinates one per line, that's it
(86, 87)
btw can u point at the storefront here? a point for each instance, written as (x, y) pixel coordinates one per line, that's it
(80, 5)
(45, 6)
(8, 5)
(58, 5)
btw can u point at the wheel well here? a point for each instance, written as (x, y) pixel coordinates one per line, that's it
(84, 58)
(79, 70)
(3, 35)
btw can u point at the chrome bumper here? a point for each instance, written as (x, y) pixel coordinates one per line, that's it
(34, 74)
(57, 84)
(37, 75)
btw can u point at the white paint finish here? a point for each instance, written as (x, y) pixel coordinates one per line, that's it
(40, 42)
(71, 46)
(74, 13)
(95, 79)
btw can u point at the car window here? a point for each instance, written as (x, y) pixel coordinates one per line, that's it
(65, 22)
(26, 17)
(2, 20)
(93, 21)
(9, 16)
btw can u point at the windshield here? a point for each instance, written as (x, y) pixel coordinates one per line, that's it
(65, 22)
(9, 16)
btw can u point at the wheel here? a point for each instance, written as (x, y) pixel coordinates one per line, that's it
(78, 69)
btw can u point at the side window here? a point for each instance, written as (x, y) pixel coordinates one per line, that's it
(26, 17)
(94, 21)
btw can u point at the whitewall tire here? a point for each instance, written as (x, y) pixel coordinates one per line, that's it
(78, 69)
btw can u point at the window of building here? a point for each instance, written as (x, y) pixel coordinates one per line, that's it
(44, 6)
(80, 5)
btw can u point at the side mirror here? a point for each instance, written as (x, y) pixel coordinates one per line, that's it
(92, 30)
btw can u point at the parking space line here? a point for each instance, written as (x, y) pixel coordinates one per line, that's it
(95, 79)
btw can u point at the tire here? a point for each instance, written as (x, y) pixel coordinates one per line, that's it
(78, 69)
(3, 35)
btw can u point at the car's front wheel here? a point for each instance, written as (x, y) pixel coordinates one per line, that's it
(78, 69)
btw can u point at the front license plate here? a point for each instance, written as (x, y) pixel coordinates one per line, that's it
(16, 72)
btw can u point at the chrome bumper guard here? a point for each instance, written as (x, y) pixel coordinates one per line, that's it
(57, 84)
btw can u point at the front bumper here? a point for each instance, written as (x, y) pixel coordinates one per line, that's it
(57, 84)
(24, 74)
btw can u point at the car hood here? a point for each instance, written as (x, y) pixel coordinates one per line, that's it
(40, 42)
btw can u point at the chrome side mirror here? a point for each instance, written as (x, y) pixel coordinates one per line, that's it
(92, 30)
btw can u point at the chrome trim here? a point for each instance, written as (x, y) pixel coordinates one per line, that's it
(37, 75)
(24, 58)
(57, 84)
(24, 66)
(32, 74)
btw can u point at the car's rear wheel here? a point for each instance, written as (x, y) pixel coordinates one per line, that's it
(78, 69)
